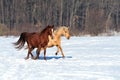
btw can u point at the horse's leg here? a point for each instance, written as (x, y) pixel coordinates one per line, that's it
(57, 50)
(61, 51)
(32, 56)
(44, 53)
(29, 51)
(38, 53)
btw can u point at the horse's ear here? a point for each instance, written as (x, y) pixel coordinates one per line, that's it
(53, 26)
(68, 28)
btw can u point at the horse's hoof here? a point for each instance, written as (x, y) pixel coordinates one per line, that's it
(35, 58)
(55, 53)
(45, 59)
(26, 58)
(63, 56)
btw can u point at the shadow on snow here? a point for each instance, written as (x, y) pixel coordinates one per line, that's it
(53, 57)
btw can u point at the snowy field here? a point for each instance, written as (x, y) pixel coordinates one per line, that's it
(87, 58)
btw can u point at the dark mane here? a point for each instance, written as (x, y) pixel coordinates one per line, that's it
(44, 30)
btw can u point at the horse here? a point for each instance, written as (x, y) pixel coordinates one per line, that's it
(35, 40)
(56, 41)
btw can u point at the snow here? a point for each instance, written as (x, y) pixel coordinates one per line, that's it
(87, 58)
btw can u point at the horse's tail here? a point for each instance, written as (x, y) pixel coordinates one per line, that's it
(21, 41)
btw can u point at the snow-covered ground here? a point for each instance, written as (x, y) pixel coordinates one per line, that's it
(87, 58)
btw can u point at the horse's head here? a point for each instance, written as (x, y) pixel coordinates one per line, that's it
(50, 30)
(66, 32)
(63, 30)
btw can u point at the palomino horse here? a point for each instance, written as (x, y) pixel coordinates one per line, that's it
(35, 40)
(56, 41)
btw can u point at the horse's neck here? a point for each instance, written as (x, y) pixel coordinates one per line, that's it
(57, 35)
(44, 35)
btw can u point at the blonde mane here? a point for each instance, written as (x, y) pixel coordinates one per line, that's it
(60, 28)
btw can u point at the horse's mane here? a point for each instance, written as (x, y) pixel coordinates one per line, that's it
(44, 29)
(47, 28)
(59, 28)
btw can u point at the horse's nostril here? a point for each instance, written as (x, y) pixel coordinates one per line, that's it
(68, 37)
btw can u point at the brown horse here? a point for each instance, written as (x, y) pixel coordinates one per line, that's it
(35, 40)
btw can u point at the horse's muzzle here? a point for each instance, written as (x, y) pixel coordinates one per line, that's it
(68, 37)
(52, 36)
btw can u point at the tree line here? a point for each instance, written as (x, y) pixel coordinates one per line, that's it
(81, 16)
